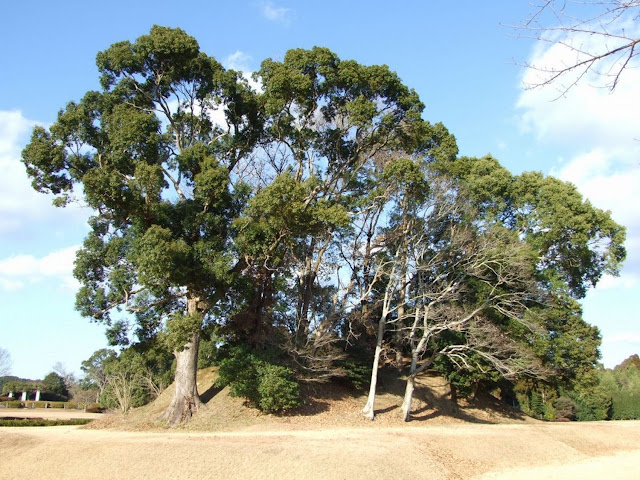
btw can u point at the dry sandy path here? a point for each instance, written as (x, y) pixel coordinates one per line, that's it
(585, 451)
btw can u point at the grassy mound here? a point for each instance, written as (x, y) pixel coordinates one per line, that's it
(326, 405)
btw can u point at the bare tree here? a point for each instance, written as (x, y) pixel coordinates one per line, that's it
(457, 289)
(122, 385)
(452, 274)
(5, 362)
(67, 375)
(599, 37)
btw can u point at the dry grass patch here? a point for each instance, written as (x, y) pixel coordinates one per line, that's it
(326, 405)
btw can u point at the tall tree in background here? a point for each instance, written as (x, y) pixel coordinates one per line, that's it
(5, 362)
(574, 244)
(95, 371)
(54, 384)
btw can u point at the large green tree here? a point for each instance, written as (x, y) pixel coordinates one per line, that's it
(154, 154)
(574, 244)
(330, 127)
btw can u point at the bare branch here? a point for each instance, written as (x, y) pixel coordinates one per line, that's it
(599, 37)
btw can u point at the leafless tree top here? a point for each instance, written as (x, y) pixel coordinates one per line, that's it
(598, 38)
(5, 362)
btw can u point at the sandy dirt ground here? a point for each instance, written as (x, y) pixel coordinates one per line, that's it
(457, 451)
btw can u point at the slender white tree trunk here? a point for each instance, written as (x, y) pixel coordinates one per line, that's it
(408, 391)
(368, 409)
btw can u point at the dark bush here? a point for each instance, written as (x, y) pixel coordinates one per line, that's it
(95, 408)
(625, 405)
(277, 388)
(358, 373)
(266, 385)
(565, 408)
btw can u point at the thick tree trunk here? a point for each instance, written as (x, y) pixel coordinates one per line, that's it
(186, 400)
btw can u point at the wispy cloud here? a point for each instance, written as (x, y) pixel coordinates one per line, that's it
(276, 13)
(626, 337)
(238, 61)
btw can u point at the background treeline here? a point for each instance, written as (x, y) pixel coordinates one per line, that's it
(52, 388)
(614, 396)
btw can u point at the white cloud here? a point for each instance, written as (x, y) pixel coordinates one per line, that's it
(586, 111)
(23, 209)
(607, 282)
(238, 61)
(18, 270)
(599, 132)
(275, 13)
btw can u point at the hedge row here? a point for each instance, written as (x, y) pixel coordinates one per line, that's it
(92, 407)
(40, 422)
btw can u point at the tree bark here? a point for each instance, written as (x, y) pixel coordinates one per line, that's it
(411, 383)
(186, 400)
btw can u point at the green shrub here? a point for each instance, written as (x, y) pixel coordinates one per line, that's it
(549, 411)
(266, 385)
(593, 405)
(13, 404)
(358, 373)
(277, 388)
(537, 406)
(625, 405)
(238, 371)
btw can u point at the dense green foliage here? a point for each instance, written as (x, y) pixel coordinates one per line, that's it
(264, 383)
(622, 384)
(53, 385)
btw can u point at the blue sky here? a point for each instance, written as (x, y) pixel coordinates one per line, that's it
(458, 56)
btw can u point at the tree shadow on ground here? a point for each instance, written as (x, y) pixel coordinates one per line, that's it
(386, 410)
(211, 392)
(438, 403)
(432, 399)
